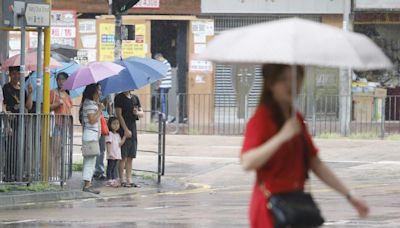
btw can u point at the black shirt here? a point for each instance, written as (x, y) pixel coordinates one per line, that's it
(11, 98)
(126, 105)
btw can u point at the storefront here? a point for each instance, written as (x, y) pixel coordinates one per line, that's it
(380, 21)
(227, 15)
(146, 35)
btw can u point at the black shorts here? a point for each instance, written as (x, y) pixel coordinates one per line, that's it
(128, 150)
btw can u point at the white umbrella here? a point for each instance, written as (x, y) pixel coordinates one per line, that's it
(296, 41)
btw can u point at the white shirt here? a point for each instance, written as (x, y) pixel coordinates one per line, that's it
(167, 81)
(91, 132)
(114, 140)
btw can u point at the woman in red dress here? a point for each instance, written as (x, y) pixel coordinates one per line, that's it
(274, 143)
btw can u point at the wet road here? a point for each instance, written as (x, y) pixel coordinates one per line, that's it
(210, 190)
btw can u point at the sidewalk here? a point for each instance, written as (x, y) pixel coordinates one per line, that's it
(73, 191)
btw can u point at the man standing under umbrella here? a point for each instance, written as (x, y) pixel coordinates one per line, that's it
(128, 110)
(11, 100)
(11, 92)
(165, 85)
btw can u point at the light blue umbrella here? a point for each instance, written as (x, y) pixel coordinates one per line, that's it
(138, 72)
(67, 68)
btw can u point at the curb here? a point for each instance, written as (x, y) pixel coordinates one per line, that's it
(40, 197)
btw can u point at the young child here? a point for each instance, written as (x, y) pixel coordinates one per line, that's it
(114, 143)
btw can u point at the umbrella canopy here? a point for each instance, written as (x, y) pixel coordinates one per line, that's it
(138, 72)
(296, 41)
(60, 58)
(61, 53)
(30, 61)
(67, 68)
(92, 73)
(65, 50)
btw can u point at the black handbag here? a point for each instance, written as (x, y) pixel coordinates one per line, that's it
(295, 209)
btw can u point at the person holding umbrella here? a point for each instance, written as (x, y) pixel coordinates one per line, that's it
(91, 112)
(128, 110)
(11, 101)
(277, 144)
(11, 92)
(60, 104)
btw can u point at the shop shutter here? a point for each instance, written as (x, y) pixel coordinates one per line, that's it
(224, 91)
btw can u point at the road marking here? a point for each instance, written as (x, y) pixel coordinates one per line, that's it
(365, 162)
(199, 188)
(155, 208)
(230, 147)
(18, 222)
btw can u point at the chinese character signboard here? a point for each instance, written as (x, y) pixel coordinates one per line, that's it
(106, 42)
(63, 29)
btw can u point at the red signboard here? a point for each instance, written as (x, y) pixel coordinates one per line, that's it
(148, 4)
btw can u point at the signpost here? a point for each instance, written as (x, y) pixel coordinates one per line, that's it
(29, 14)
(37, 15)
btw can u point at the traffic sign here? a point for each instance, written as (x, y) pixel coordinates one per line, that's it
(37, 15)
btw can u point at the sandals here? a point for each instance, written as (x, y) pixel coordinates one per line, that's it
(113, 183)
(130, 185)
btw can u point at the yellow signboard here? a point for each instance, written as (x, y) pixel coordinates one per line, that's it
(127, 48)
(135, 47)
(106, 42)
(140, 29)
(139, 50)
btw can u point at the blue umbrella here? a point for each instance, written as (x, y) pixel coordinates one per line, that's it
(68, 68)
(138, 72)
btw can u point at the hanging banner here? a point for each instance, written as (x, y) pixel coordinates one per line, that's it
(106, 42)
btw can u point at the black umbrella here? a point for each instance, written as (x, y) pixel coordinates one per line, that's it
(65, 50)
(62, 53)
(60, 58)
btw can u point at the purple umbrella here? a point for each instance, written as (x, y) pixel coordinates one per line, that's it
(92, 73)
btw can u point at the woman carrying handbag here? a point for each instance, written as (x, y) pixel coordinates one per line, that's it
(280, 150)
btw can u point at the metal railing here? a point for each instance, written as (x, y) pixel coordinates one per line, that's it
(24, 162)
(202, 114)
(153, 122)
(160, 152)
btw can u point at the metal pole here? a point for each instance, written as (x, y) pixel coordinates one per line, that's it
(117, 37)
(383, 115)
(3, 53)
(110, 2)
(314, 117)
(163, 146)
(39, 72)
(160, 138)
(345, 80)
(294, 90)
(38, 102)
(21, 127)
(46, 100)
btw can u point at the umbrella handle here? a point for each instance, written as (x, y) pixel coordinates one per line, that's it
(294, 89)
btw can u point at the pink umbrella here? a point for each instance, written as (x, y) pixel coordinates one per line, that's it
(30, 62)
(92, 73)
